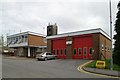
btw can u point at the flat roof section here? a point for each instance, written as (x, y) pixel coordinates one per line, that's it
(91, 31)
(28, 32)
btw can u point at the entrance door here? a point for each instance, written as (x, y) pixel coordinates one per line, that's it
(32, 51)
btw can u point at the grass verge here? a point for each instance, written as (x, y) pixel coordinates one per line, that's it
(107, 66)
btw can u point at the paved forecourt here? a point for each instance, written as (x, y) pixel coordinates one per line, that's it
(31, 68)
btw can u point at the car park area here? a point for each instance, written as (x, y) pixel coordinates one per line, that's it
(31, 68)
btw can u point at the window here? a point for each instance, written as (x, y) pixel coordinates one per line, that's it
(74, 51)
(9, 41)
(22, 36)
(16, 40)
(25, 36)
(65, 51)
(47, 53)
(19, 39)
(12, 39)
(57, 52)
(61, 51)
(105, 48)
(102, 47)
(85, 50)
(50, 53)
(91, 50)
(79, 51)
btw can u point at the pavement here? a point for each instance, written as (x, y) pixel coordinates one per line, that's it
(15, 57)
(115, 74)
(103, 71)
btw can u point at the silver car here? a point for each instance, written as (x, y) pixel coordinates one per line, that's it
(45, 56)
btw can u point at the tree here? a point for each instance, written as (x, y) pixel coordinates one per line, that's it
(116, 52)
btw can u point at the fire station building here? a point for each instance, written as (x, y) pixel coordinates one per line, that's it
(87, 44)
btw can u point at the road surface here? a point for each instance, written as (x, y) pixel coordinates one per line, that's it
(31, 68)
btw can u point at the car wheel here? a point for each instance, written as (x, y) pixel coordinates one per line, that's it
(38, 59)
(46, 59)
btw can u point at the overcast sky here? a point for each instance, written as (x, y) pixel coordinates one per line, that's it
(70, 15)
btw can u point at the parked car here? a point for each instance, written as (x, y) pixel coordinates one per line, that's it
(45, 56)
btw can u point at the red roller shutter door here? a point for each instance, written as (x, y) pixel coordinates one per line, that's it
(59, 46)
(87, 44)
(81, 47)
(77, 44)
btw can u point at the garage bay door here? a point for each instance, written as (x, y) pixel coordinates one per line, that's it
(59, 47)
(82, 47)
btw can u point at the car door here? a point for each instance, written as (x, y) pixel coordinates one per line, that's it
(51, 55)
(48, 55)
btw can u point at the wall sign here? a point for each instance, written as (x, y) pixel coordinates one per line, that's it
(68, 42)
(100, 64)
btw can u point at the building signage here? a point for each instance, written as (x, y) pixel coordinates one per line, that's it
(100, 64)
(68, 42)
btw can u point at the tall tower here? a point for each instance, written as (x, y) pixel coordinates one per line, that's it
(51, 29)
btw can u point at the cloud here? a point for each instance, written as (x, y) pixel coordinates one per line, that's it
(70, 16)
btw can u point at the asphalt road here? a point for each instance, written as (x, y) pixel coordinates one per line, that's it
(30, 68)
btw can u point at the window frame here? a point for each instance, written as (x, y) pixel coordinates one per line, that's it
(75, 49)
(90, 51)
(85, 48)
(80, 51)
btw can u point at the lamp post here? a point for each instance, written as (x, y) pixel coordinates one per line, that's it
(2, 43)
(111, 59)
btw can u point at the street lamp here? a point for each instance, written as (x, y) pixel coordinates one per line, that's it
(111, 59)
(2, 44)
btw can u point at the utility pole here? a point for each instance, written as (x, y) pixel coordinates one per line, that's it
(111, 59)
(2, 42)
(43, 30)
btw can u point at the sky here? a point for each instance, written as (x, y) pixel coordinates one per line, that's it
(69, 15)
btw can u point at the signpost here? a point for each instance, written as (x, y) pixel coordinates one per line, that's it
(100, 64)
